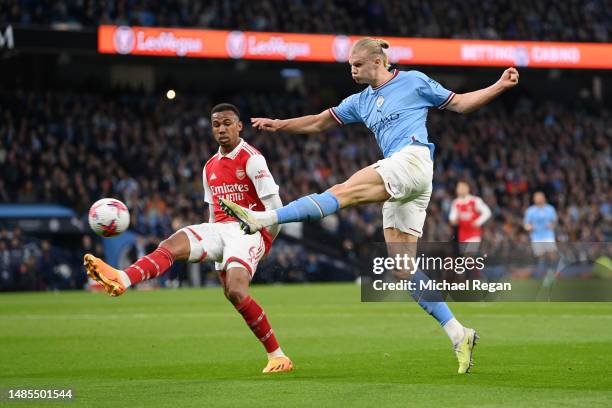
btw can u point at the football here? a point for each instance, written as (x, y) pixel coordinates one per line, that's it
(109, 217)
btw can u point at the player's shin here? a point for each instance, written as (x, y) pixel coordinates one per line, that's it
(310, 208)
(256, 319)
(149, 266)
(432, 302)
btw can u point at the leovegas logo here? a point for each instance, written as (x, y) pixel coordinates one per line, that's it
(129, 40)
(239, 44)
(341, 47)
(124, 40)
(236, 44)
(276, 45)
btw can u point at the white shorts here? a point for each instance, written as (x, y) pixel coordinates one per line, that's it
(407, 175)
(542, 248)
(225, 244)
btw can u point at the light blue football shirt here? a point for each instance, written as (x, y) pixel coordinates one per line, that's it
(539, 218)
(396, 111)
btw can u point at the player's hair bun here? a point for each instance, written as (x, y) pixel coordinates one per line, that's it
(384, 44)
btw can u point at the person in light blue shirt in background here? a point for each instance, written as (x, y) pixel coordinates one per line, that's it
(394, 106)
(540, 221)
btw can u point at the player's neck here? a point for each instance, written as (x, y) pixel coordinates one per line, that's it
(228, 149)
(381, 78)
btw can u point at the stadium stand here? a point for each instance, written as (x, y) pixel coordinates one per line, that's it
(574, 20)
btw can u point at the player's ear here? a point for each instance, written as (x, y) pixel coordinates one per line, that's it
(240, 126)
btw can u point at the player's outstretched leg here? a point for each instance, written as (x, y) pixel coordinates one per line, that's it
(364, 187)
(150, 266)
(310, 208)
(235, 286)
(462, 338)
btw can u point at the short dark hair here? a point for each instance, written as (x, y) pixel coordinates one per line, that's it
(222, 107)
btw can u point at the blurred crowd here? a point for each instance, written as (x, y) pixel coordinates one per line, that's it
(549, 20)
(73, 149)
(27, 263)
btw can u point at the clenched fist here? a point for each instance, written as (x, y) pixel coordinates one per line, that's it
(509, 78)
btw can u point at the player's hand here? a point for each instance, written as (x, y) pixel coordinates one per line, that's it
(269, 125)
(509, 79)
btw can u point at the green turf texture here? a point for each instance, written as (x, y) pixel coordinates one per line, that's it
(189, 348)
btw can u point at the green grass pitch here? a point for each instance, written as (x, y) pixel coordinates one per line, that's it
(189, 348)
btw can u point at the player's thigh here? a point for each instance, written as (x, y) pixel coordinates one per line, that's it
(407, 174)
(205, 242)
(240, 249)
(364, 187)
(405, 218)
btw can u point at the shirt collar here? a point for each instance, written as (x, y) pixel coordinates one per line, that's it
(395, 72)
(232, 155)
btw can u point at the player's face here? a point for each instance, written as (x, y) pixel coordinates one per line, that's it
(226, 127)
(364, 66)
(463, 189)
(539, 198)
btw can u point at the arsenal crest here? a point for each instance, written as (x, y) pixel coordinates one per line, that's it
(240, 174)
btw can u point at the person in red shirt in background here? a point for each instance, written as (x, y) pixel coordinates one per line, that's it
(468, 213)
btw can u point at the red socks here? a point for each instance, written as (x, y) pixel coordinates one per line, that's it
(256, 319)
(150, 266)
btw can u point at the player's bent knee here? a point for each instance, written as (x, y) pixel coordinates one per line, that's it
(235, 294)
(236, 285)
(178, 245)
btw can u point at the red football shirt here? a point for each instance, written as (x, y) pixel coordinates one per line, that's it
(469, 213)
(241, 176)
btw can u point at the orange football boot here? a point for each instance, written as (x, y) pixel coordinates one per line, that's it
(278, 365)
(104, 274)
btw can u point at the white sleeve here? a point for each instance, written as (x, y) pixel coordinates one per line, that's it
(211, 213)
(257, 170)
(272, 202)
(452, 216)
(207, 192)
(484, 210)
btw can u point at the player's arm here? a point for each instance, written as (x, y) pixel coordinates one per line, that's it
(471, 101)
(208, 198)
(527, 223)
(211, 213)
(453, 216)
(303, 124)
(553, 220)
(484, 210)
(267, 190)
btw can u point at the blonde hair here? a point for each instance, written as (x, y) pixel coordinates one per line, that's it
(374, 46)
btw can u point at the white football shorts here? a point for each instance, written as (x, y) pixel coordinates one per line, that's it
(543, 247)
(225, 244)
(407, 175)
